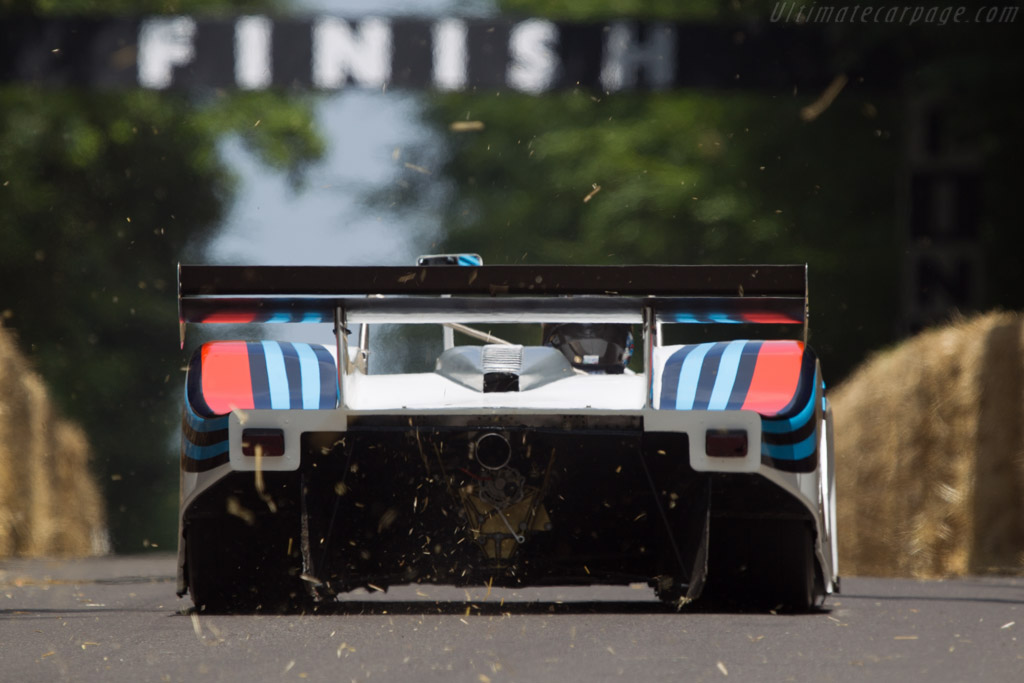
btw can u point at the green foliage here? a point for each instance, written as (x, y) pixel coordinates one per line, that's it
(101, 194)
(686, 178)
(720, 177)
(639, 9)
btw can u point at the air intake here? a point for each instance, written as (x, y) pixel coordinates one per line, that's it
(502, 364)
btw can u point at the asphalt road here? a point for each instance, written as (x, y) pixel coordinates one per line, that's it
(117, 619)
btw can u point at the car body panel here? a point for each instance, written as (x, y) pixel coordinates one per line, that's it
(362, 440)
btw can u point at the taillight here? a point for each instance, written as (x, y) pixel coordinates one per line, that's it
(726, 443)
(269, 441)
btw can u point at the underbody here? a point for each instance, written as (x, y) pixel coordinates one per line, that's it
(395, 500)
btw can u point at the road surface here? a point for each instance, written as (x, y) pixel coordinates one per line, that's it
(118, 619)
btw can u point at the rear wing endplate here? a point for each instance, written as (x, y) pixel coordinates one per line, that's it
(702, 294)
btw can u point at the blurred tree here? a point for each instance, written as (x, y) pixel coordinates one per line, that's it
(704, 176)
(101, 193)
(687, 178)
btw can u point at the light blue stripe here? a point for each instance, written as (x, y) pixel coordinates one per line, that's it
(703, 318)
(726, 379)
(277, 376)
(797, 451)
(469, 260)
(797, 421)
(309, 371)
(312, 317)
(280, 317)
(689, 374)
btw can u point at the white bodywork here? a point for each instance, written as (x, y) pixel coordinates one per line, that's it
(586, 395)
(511, 294)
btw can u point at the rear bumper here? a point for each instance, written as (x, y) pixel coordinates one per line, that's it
(396, 498)
(692, 424)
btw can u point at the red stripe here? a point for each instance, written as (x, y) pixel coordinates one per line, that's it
(770, 318)
(776, 376)
(226, 382)
(236, 318)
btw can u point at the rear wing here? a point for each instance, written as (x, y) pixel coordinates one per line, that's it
(774, 294)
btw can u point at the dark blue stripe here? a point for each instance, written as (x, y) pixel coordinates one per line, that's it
(194, 385)
(795, 419)
(794, 451)
(744, 374)
(789, 425)
(195, 452)
(791, 444)
(204, 434)
(807, 386)
(808, 464)
(670, 377)
(191, 464)
(328, 378)
(258, 373)
(781, 433)
(201, 423)
(294, 373)
(708, 374)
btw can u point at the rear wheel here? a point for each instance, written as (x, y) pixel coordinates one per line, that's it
(236, 567)
(763, 564)
(791, 572)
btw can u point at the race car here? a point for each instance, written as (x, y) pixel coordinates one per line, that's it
(701, 467)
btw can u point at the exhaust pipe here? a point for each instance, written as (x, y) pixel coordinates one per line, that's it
(493, 450)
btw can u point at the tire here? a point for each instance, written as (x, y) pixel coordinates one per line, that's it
(763, 564)
(791, 573)
(235, 567)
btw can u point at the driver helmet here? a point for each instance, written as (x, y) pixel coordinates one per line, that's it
(592, 347)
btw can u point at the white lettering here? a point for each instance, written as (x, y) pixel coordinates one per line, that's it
(341, 53)
(624, 56)
(164, 43)
(252, 52)
(450, 58)
(535, 62)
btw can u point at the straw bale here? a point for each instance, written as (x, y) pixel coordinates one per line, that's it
(49, 502)
(930, 454)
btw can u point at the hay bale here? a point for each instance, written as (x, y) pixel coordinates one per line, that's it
(49, 501)
(930, 454)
